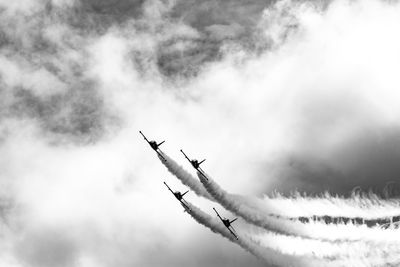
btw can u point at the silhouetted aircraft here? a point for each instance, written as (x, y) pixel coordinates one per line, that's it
(196, 164)
(179, 196)
(227, 224)
(154, 145)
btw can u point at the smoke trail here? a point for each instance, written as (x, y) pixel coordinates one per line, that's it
(358, 207)
(196, 186)
(251, 215)
(343, 253)
(247, 209)
(360, 252)
(365, 246)
(188, 180)
(285, 255)
(365, 206)
(317, 230)
(361, 208)
(185, 177)
(268, 255)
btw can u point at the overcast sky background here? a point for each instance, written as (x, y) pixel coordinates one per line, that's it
(278, 96)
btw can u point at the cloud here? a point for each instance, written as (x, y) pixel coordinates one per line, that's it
(276, 96)
(47, 248)
(356, 163)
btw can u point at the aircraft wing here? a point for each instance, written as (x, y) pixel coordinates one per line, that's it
(144, 137)
(218, 214)
(168, 188)
(233, 229)
(233, 233)
(186, 156)
(161, 143)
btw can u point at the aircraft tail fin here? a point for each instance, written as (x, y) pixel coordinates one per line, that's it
(161, 143)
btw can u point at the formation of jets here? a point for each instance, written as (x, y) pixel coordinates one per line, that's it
(178, 195)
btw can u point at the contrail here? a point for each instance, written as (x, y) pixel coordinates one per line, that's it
(185, 177)
(268, 255)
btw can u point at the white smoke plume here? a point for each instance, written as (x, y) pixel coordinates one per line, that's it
(369, 206)
(254, 216)
(185, 177)
(365, 207)
(338, 254)
(283, 251)
(317, 230)
(262, 216)
(266, 254)
(354, 245)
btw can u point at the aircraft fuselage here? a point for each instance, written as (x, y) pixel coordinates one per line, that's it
(153, 145)
(178, 195)
(195, 163)
(226, 222)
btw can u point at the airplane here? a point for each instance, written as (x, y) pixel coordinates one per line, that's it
(154, 145)
(179, 196)
(196, 164)
(227, 224)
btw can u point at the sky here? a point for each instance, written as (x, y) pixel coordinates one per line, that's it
(288, 97)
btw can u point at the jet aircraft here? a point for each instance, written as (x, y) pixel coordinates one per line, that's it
(196, 164)
(179, 196)
(154, 145)
(227, 224)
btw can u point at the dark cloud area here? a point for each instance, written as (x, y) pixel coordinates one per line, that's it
(96, 17)
(79, 114)
(354, 165)
(219, 23)
(187, 62)
(216, 22)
